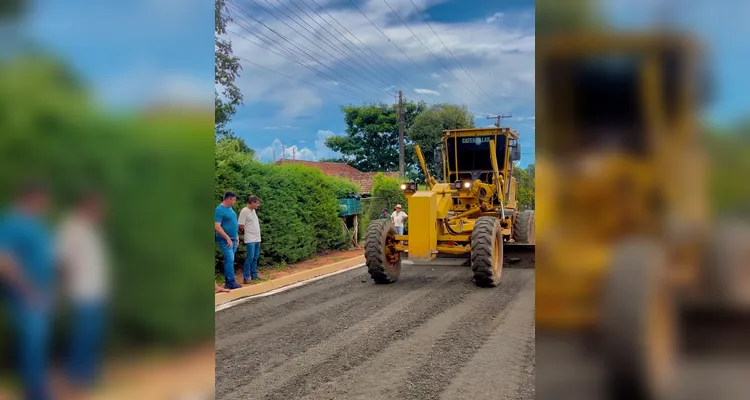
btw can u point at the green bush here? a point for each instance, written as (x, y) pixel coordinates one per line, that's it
(156, 174)
(386, 193)
(299, 205)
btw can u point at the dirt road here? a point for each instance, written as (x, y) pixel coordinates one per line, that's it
(431, 335)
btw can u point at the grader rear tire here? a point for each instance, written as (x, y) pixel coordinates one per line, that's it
(383, 261)
(523, 227)
(487, 252)
(639, 323)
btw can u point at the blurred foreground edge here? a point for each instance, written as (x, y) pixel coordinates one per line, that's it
(628, 248)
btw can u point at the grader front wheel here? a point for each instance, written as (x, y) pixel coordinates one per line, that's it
(487, 252)
(382, 259)
(639, 323)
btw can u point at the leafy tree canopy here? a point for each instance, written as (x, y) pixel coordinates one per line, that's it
(371, 141)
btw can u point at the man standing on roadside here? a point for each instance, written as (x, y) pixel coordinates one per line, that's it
(27, 281)
(250, 226)
(225, 224)
(84, 257)
(398, 218)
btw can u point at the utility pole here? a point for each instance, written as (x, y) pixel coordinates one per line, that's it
(274, 153)
(283, 150)
(499, 119)
(294, 154)
(401, 133)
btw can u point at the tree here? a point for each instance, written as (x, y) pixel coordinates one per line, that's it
(526, 189)
(428, 127)
(227, 67)
(371, 141)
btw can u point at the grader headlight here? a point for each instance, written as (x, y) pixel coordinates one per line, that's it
(462, 185)
(409, 187)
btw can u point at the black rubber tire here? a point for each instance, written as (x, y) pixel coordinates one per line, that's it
(727, 268)
(381, 271)
(634, 288)
(486, 241)
(523, 227)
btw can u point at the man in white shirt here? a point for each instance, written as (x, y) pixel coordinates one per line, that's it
(398, 217)
(250, 227)
(85, 262)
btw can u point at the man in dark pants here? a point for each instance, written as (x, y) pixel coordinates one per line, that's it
(226, 226)
(250, 227)
(27, 280)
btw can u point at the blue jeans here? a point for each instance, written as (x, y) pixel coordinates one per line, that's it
(250, 268)
(400, 230)
(86, 341)
(32, 325)
(228, 259)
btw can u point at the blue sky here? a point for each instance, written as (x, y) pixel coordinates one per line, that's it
(143, 51)
(492, 40)
(132, 52)
(721, 26)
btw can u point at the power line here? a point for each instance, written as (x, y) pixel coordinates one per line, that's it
(449, 51)
(290, 77)
(376, 56)
(297, 79)
(364, 77)
(301, 50)
(291, 56)
(294, 3)
(432, 54)
(396, 46)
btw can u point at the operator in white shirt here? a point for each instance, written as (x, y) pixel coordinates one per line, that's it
(250, 227)
(398, 217)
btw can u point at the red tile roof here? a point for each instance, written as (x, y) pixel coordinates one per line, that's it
(340, 170)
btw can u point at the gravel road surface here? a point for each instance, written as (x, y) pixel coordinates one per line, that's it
(431, 335)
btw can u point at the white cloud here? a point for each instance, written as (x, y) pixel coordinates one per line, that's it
(480, 47)
(146, 84)
(426, 91)
(495, 17)
(316, 153)
(280, 127)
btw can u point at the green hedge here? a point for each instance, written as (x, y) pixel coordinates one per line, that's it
(156, 172)
(299, 205)
(386, 193)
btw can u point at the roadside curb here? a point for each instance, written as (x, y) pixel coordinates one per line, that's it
(275, 284)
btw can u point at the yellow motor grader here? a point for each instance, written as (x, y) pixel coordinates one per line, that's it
(626, 239)
(473, 212)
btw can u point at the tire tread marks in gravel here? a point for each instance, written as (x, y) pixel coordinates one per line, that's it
(362, 342)
(375, 257)
(503, 364)
(486, 232)
(460, 342)
(275, 356)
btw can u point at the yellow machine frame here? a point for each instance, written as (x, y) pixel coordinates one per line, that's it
(449, 210)
(578, 248)
(623, 233)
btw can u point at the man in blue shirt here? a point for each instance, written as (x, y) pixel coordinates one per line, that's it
(226, 226)
(27, 280)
